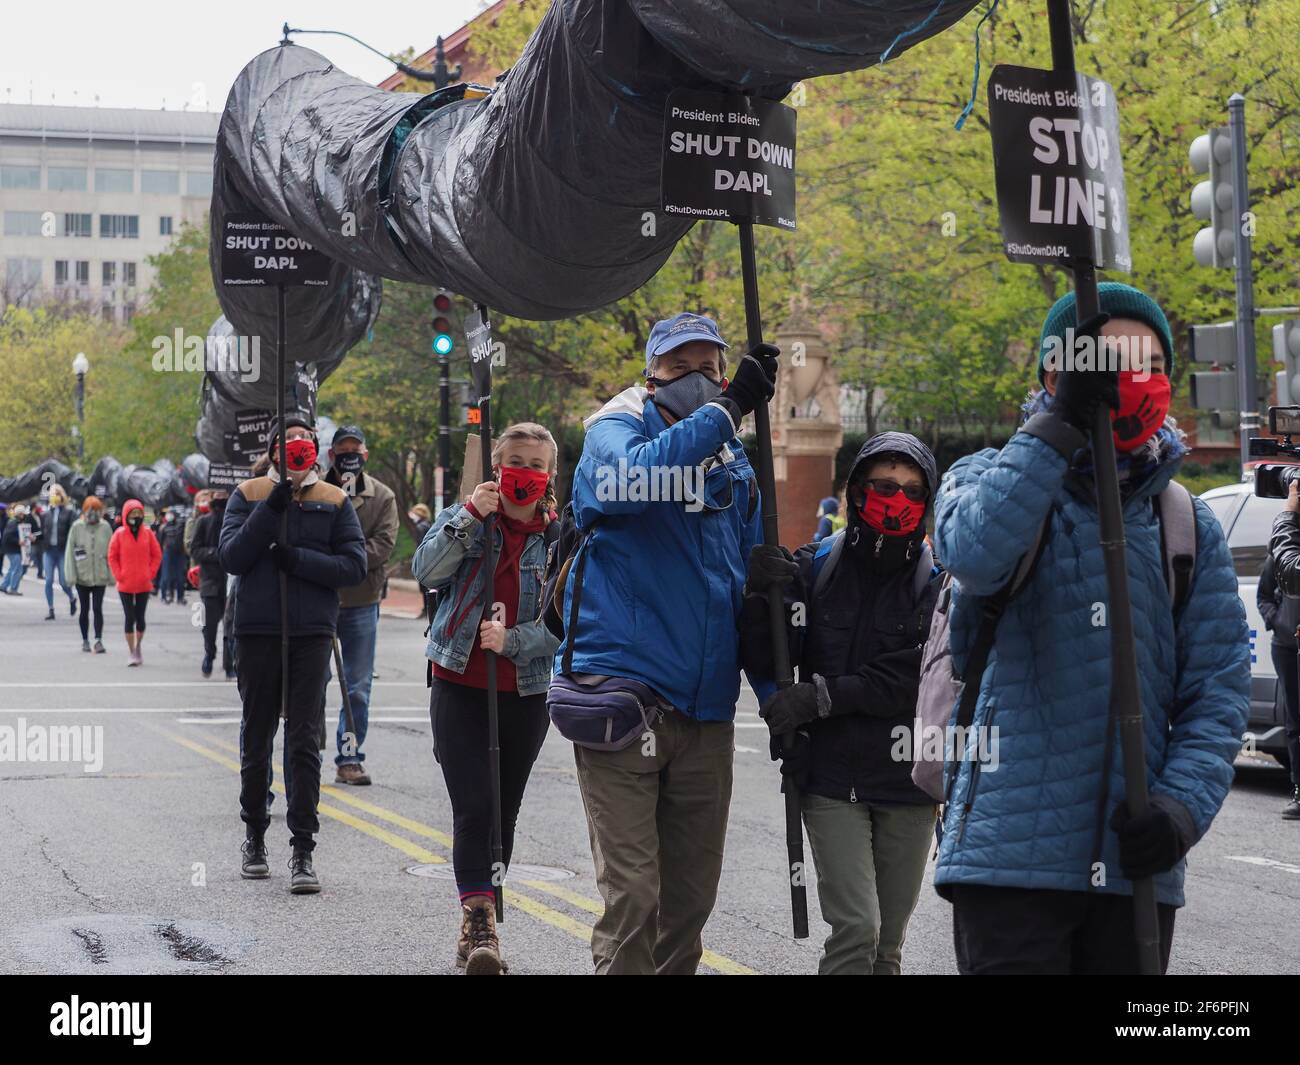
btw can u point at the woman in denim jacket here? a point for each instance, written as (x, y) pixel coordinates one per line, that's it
(450, 561)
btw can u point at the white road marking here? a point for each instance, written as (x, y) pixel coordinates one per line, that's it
(1272, 863)
(219, 709)
(235, 720)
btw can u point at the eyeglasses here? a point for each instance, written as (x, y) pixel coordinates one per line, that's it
(915, 492)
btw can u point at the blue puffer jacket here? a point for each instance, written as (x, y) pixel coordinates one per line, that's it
(662, 584)
(1033, 821)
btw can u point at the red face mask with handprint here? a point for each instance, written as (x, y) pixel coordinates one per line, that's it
(300, 453)
(894, 515)
(523, 486)
(1143, 405)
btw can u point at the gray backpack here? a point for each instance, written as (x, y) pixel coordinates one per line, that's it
(941, 689)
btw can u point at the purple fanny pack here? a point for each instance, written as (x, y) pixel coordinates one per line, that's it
(601, 713)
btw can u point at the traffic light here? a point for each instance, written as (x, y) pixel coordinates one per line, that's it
(1211, 153)
(1286, 350)
(443, 333)
(1213, 343)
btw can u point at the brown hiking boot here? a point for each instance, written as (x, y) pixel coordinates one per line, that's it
(351, 773)
(479, 950)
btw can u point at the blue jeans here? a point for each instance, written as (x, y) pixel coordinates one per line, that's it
(53, 559)
(358, 630)
(172, 577)
(14, 573)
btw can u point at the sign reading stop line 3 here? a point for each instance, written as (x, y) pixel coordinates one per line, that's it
(257, 251)
(1060, 178)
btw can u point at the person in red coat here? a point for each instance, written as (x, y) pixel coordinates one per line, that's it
(134, 557)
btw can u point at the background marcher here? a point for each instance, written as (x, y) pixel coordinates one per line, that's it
(134, 558)
(358, 625)
(86, 564)
(55, 525)
(205, 543)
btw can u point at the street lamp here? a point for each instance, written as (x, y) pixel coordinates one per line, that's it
(81, 366)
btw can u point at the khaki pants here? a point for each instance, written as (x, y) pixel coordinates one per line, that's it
(657, 815)
(870, 862)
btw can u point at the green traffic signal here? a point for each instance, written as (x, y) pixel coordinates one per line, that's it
(442, 344)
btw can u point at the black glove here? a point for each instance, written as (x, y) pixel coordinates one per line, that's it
(796, 705)
(280, 496)
(754, 381)
(1151, 843)
(1078, 392)
(770, 567)
(285, 557)
(794, 752)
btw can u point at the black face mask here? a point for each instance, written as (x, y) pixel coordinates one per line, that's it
(683, 396)
(218, 504)
(350, 462)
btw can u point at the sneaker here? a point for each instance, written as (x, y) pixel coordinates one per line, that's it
(99, 647)
(85, 645)
(1291, 812)
(302, 878)
(253, 866)
(207, 665)
(351, 773)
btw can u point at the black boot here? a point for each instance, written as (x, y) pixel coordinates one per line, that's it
(254, 865)
(302, 878)
(1291, 812)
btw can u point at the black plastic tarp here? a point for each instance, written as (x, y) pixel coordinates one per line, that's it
(162, 484)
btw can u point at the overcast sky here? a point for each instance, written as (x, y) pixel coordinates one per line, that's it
(147, 53)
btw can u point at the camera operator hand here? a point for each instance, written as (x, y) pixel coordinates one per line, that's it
(1293, 498)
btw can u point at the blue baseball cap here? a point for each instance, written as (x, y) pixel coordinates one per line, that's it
(681, 329)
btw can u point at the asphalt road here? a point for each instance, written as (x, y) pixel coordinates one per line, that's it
(134, 867)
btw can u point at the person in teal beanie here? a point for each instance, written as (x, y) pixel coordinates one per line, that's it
(1038, 855)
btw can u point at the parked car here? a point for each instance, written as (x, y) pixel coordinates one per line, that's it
(1247, 521)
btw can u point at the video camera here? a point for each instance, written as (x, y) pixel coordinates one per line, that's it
(1273, 481)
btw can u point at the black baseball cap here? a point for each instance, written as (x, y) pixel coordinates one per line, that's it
(349, 432)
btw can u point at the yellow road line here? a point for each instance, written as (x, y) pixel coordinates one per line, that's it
(416, 827)
(413, 850)
(714, 961)
(555, 918)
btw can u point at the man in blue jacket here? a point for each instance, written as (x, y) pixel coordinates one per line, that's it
(1039, 856)
(672, 505)
(325, 550)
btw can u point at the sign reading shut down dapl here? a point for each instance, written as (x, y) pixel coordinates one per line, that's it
(728, 156)
(258, 251)
(1060, 179)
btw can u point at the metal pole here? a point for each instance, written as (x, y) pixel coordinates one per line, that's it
(1125, 695)
(776, 607)
(284, 516)
(1247, 387)
(81, 420)
(349, 722)
(489, 602)
(444, 433)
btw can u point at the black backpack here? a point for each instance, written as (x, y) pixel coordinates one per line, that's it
(564, 541)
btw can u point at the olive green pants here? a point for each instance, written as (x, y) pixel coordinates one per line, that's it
(870, 861)
(657, 817)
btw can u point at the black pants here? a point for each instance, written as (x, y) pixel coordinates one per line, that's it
(1285, 662)
(458, 715)
(133, 604)
(1025, 931)
(259, 688)
(214, 609)
(91, 596)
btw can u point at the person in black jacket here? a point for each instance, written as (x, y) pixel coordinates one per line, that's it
(1278, 598)
(205, 550)
(171, 538)
(861, 603)
(56, 523)
(323, 552)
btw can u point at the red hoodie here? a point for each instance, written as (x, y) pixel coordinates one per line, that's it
(134, 557)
